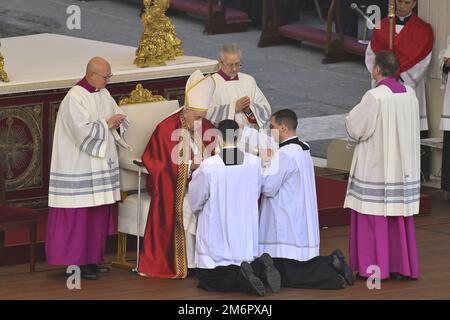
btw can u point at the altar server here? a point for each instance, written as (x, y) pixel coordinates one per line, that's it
(289, 226)
(224, 193)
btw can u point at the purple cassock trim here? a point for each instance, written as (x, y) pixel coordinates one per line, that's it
(393, 84)
(225, 77)
(83, 83)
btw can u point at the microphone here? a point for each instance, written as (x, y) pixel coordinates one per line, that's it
(355, 7)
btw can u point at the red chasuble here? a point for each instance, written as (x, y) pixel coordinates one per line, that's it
(164, 249)
(411, 45)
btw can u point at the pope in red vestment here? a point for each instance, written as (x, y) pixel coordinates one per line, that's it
(167, 159)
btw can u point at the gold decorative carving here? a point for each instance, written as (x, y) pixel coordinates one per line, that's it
(3, 74)
(158, 43)
(21, 146)
(140, 95)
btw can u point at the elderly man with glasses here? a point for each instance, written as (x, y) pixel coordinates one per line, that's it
(237, 96)
(84, 174)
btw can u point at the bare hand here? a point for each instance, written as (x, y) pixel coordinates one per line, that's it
(242, 103)
(115, 121)
(266, 154)
(447, 62)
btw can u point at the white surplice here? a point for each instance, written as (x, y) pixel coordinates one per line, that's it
(84, 167)
(289, 226)
(385, 172)
(445, 115)
(225, 198)
(223, 103)
(414, 77)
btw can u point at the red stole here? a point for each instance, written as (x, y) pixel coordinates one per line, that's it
(251, 117)
(413, 44)
(164, 254)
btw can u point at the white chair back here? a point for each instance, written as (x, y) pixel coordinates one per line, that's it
(143, 117)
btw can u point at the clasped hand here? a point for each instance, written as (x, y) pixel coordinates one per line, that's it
(115, 121)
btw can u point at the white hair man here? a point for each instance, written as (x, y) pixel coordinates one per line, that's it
(237, 96)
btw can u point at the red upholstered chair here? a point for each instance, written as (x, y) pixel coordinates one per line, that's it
(15, 218)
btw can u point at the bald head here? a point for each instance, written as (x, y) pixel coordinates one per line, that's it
(98, 72)
(97, 64)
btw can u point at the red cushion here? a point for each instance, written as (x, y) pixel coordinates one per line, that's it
(352, 45)
(192, 6)
(13, 214)
(301, 32)
(200, 8)
(236, 15)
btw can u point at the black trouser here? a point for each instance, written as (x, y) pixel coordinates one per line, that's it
(223, 279)
(425, 158)
(445, 179)
(316, 273)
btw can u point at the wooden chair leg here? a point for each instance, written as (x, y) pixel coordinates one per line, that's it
(32, 246)
(121, 261)
(121, 247)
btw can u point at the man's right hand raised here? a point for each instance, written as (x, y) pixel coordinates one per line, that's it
(242, 103)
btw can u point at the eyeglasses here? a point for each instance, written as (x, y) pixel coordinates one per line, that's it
(106, 78)
(232, 65)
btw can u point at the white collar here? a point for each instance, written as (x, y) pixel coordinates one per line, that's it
(293, 137)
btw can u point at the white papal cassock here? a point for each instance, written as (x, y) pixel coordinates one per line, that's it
(225, 198)
(289, 226)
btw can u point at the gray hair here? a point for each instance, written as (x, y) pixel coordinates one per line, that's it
(232, 48)
(387, 62)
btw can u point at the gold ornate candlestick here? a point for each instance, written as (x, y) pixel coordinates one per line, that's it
(159, 42)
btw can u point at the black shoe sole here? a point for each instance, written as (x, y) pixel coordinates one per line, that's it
(396, 276)
(347, 273)
(102, 270)
(89, 277)
(271, 274)
(98, 269)
(254, 282)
